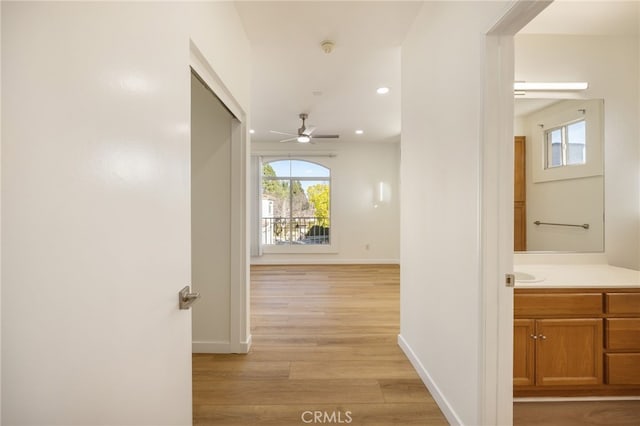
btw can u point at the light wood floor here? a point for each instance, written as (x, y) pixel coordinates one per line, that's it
(324, 339)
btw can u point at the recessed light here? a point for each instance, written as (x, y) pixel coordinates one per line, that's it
(252, 131)
(359, 132)
(382, 90)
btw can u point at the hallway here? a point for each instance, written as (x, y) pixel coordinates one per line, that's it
(324, 351)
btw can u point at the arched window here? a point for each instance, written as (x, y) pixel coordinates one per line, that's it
(296, 203)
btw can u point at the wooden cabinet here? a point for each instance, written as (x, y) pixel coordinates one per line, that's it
(557, 352)
(536, 305)
(519, 195)
(622, 334)
(568, 352)
(623, 303)
(622, 369)
(523, 352)
(622, 338)
(576, 342)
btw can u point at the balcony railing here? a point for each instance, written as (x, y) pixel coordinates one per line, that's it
(295, 230)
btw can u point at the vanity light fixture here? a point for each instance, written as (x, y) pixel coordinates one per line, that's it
(359, 132)
(252, 131)
(303, 139)
(550, 86)
(382, 90)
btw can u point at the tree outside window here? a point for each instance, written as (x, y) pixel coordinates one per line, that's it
(296, 203)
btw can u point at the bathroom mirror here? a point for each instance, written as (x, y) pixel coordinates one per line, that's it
(559, 185)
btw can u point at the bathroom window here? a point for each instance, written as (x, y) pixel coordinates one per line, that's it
(567, 140)
(566, 145)
(295, 204)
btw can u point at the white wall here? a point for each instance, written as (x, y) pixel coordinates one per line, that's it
(210, 219)
(441, 302)
(95, 199)
(356, 170)
(610, 65)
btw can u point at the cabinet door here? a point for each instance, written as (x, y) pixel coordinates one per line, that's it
(523, 352)
(569, 352)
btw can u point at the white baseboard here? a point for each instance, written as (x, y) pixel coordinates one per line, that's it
(295, 260)
(246, 346)
(200, 347)
(437, 395)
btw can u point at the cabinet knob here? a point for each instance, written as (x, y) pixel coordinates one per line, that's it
(543, 337)
(533, 336)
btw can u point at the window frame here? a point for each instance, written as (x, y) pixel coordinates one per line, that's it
(332, 247)
(563, 113)
(564, 143)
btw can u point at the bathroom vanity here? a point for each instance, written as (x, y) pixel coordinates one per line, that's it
(578, 338)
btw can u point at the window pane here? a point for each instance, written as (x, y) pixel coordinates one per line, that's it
(576, 143)
(314, 222)
(281, 168)
(554, 148)
(307, 169)
(275, 211)
(295, 203)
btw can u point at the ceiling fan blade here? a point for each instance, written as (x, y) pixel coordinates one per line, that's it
(326, 136)
(289, 140)
(282, 133)
(309, 131)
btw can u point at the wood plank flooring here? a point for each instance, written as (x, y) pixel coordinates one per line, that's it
(324, 341)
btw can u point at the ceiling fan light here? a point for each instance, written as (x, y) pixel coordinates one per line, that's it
(304, 139)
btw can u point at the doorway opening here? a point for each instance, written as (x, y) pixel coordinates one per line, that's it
(210, 218)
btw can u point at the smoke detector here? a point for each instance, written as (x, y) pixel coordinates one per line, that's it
(327, 46)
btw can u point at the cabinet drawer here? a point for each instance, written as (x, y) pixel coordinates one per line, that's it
(622, 333)
(623, 369)
(623, 303)
(573, 304)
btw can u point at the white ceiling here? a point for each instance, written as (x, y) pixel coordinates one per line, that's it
(586, 17)
(579, 17)
(288, 64)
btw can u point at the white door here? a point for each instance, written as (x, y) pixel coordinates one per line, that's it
(95, 219)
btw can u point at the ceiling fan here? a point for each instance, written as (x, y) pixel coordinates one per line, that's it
(305, 135)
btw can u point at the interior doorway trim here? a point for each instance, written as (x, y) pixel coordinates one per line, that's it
(240, 337)
(497, 213)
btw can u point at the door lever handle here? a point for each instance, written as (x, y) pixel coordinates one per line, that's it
(186, 298)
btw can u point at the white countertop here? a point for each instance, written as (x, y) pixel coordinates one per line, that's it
(578, 275)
